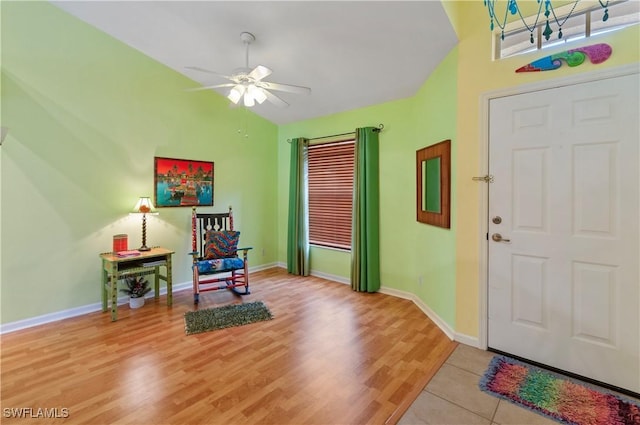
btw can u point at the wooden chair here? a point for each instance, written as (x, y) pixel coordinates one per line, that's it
(216, 263)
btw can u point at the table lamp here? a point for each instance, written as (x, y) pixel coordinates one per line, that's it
(144, 206)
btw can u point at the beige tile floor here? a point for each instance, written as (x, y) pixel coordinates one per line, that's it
(453, 396)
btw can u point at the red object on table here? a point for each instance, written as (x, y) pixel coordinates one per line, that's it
(120, 243)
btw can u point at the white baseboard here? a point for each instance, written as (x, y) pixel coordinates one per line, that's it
(78, 311)
(92, 308)
(331, 277)
(444, 326)
(263, 267)
(455, 336)
(51, 317)
(473, 341)
(407, 296)
(315, 273)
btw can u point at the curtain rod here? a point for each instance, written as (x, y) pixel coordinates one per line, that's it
(333, 135)
(378, 129)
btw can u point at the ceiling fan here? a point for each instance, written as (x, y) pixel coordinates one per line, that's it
(248, 83)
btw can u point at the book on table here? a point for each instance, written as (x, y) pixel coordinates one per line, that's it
(123, 254)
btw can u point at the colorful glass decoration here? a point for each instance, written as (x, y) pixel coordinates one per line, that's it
(597, 53)
(513, 9)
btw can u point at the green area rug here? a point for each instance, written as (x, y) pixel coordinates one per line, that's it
(225, 317)
(555, 396)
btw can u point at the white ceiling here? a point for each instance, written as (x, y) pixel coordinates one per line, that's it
(351, 53)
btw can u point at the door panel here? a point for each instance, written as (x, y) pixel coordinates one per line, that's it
(595, 183)
(529, 307)
(563, 284)
(594, 316)
(530, 203)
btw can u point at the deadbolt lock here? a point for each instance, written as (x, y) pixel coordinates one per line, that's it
(497, 219)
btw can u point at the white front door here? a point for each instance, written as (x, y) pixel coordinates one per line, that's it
(564, 281)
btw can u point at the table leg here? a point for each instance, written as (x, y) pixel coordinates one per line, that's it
(156, 282)
(169, 281)
(114, 294)
(103, 290)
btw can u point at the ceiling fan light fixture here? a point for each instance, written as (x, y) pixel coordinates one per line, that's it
(257, 93)
(236, 93)
(248, 83)
(249, 101)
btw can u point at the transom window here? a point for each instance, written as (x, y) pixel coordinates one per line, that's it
(580, 25)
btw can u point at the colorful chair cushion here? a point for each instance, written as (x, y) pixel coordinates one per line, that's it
(220, 265)
(222, 244)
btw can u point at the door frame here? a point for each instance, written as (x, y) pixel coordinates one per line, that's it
(483, 167)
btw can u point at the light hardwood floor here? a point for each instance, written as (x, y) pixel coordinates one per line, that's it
(329, 356)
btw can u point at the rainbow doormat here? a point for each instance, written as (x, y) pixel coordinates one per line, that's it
(557, 397)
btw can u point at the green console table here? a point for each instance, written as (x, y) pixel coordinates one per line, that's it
(116, 267)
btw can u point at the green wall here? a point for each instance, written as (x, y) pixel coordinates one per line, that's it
(415, 257)
(86, 116)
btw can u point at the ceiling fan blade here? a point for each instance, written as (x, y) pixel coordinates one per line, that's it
(217, 86)
(284, 87)
(275, 99)
(195, 68)
(260, 72)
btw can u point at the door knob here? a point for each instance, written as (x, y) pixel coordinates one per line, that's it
(498, 238)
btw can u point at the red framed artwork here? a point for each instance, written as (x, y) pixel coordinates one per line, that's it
(182, 182)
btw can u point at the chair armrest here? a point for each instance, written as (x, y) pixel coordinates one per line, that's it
(244, 249)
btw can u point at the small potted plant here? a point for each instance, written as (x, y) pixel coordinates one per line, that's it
(136, 287)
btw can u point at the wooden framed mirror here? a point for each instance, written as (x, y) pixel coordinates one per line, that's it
(433, 171)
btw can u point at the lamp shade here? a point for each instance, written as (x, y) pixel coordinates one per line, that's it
(144, 205)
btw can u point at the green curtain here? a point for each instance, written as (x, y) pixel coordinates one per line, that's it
(365, 234)
(298, 229)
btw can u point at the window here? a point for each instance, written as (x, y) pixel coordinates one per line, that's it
(330, 181)
(580, 25)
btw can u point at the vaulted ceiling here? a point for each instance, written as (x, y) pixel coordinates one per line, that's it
(351, 54)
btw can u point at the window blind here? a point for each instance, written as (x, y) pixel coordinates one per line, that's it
(330, 183)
